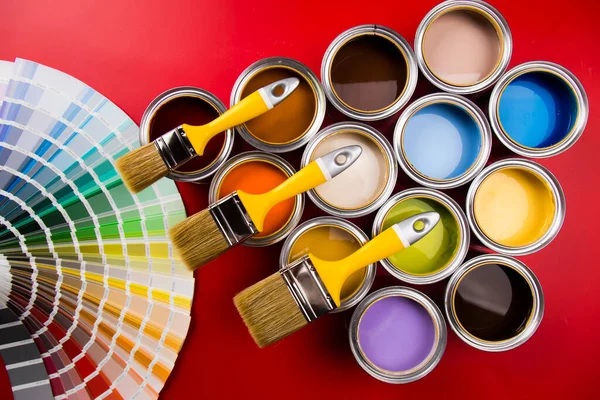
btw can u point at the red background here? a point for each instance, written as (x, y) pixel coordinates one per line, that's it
(132, 50)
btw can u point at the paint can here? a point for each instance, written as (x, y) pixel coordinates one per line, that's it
(331, 239)
(538, 109)
(258, 172)
(494, 303)
(397, 334)
(192, 106)
(369, 72)
(463, 46)
(365, 185)
(292, 123)
(441, 252)
(442, 140)
(515, 206)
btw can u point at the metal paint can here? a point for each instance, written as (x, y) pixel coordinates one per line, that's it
(451, 125)
(398, 43)
(312, 98)
(168, 99)
(365, 192)
(486, 14)
(341, 237)
(554, 94)
(432, 258)
(272, 161)
(515, 206)
(470, 284)
(427, 307)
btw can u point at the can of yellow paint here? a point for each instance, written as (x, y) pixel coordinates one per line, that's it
(515, 206)
(331, 239)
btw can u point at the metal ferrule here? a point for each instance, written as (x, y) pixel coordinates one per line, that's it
(232, 219)
(308, 290)
(175, 148)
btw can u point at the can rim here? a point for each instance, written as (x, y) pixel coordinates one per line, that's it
(313, 81)
(534, 320)
(212, 100)
(432, 359)
(387, 150)
(392, 36)
(279, 162)
(461, 219)
(478, 117)
(489, 11)
(557, 193)
(580, 97)
(350, 228)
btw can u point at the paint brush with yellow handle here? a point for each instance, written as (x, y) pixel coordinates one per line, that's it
(142, 167)
(310, 287)
(235, 218)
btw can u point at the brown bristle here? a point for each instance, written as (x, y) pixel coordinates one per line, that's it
(198, 239)
(269, 310)
(141, 167)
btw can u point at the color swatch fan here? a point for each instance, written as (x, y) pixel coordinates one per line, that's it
(85, 266)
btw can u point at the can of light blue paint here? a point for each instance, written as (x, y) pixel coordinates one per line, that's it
(442, 140)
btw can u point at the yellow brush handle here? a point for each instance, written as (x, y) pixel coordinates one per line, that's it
(247, 109)
(334, 273)
(259, 205)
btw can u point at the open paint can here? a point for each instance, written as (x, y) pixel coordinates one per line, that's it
(442, 140)
(194, 106)
(397, 334)
(463, 46)
(369, 72)
(256, 172)
(366, 184)
(438, 254)
(494, 303)
(515, 206)
(538, 109)
(292, 123)
(331, 239)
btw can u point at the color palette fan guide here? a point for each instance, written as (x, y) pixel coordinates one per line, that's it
(93, 302)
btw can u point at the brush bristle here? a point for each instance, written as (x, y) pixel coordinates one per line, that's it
(198, 239)
(142, 167)
(269, 310)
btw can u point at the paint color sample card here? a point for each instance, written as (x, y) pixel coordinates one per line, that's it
(86, 267)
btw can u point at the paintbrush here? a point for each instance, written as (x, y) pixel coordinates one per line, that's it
(142, 167)
(310, 287)
(236, 217)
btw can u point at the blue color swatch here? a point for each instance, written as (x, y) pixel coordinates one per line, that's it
(441, 141)
(537, 109)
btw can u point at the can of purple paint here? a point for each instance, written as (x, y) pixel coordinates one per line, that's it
(397, 335)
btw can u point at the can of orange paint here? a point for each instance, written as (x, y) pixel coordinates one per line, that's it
(257, 172)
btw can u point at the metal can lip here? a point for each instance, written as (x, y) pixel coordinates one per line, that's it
(411, 66)
(574, 84)
(532, 324)
(434, 356)
(280, 163)
(456, 211)
(553, 185)
(384, 146)
(350, 228)
(188, 91)
(489, 12)
(468, 106)
(312, 80)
